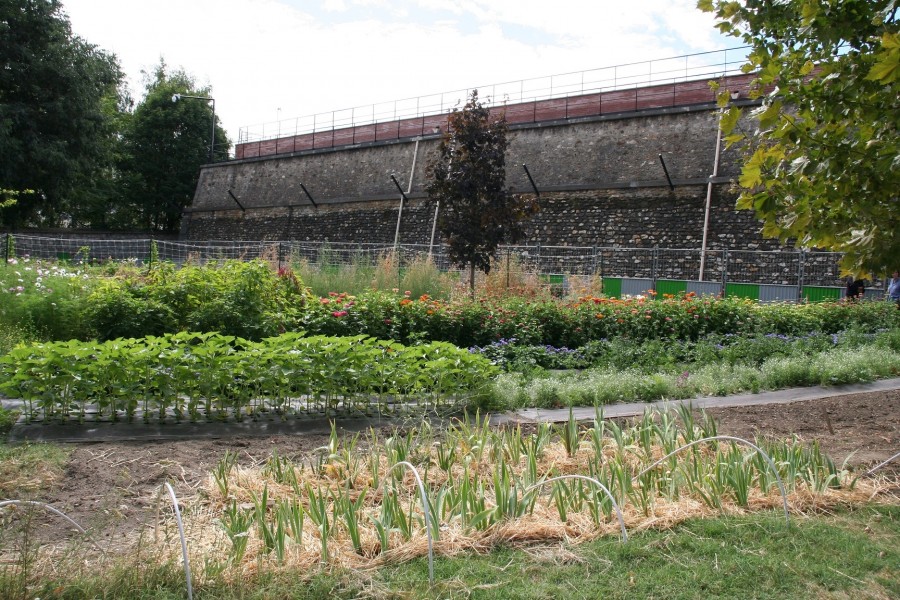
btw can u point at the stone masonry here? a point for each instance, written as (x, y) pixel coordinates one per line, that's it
(601, 181)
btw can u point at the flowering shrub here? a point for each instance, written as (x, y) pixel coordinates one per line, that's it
(46, 300)
(250, 300)
(572, 325)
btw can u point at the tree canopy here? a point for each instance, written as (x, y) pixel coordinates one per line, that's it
(54, 131)
(467, 176)
(823, 168)
(73, 139)
(165, 143)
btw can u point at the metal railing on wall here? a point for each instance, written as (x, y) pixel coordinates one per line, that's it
(690, 67)
(559, 266)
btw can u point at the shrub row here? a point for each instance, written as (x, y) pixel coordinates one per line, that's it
(657, 355)
(190, 375)
(574, 324)
(249, 300)
(60, 302)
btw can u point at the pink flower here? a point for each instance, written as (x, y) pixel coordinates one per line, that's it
(339, 313)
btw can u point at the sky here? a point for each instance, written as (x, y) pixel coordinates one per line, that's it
(271, 62)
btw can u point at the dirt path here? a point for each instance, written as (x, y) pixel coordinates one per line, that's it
(863, 429)
(111, 485)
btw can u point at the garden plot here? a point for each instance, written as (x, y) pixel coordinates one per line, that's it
(115, 487)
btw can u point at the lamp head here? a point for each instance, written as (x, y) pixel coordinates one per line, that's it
(176, 97)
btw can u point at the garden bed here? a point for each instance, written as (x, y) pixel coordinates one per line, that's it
(114, 482)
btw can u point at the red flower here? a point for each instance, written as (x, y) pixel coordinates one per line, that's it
(339, 313)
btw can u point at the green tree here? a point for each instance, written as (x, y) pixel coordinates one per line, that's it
(54, 133)
(166, 142)
(467, 177)
(823, 169)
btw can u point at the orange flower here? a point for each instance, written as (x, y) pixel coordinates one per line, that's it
(599, 315)
(405, 301)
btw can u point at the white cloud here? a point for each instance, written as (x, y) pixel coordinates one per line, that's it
(308, 57)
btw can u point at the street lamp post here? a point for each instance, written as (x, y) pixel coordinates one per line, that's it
(212, 130)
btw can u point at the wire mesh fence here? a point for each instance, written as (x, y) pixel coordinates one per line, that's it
(554, 264)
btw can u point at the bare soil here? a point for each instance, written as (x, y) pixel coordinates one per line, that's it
(112, 486)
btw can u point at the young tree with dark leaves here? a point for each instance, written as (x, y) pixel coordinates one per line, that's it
(467, 177)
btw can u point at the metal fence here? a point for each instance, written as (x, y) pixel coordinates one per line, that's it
(555, 264)
(703, 65)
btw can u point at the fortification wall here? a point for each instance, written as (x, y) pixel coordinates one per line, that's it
(601, 180)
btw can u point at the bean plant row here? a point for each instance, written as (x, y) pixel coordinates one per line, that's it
(483, 486)
(212, 376)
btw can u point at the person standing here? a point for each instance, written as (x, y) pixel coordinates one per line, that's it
(894, 288)
(856, 289)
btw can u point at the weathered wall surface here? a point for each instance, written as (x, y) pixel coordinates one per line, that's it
(601, 182)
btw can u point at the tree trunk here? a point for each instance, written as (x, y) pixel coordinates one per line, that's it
(472, 279)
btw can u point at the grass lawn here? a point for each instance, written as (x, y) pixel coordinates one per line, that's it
(847, 554)
(852, 554)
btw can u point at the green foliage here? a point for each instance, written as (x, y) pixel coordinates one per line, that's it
(822, 169)
(10, 336)
(114, 311)
(245, 299)
(44, 302)
(468, 178)
(250, 300)
(57, 93)
(209, 375)
(8, 418)
(739, 369)
(490, 325)
(165, 143)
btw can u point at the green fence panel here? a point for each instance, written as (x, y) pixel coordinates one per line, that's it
(814, 293)
(554, 279)
(670, 286)
(742, 290)
(612, 287)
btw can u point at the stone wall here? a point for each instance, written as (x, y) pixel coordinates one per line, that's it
(601, 179)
